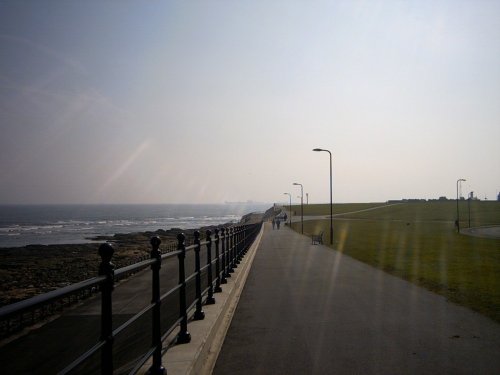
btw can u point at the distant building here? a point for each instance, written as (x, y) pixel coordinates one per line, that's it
(406, 200)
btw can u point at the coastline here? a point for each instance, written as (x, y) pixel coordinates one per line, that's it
(48, 224)
(31, 270)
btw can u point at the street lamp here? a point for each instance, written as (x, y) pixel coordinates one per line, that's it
(459, 181)
(471, 195)
(301, 205)
(331, 201)
(290, 221)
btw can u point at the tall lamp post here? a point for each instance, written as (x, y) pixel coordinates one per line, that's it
(331, 201)
(471, 195)
(301, 206)
(290, 221)
(458, 213)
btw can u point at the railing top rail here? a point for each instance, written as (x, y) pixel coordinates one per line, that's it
(170, 254)
(134, 267)
(41, 299)
(34, 302)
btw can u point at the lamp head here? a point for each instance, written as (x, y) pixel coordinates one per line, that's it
(317, 149)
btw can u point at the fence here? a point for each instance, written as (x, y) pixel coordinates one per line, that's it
(127, 341)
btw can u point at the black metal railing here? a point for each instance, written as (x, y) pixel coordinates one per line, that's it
(158, 319)
(36, 309)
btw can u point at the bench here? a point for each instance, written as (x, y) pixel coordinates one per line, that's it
(317, 238)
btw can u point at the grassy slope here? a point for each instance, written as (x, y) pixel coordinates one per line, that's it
(417, 241)
(324, 209)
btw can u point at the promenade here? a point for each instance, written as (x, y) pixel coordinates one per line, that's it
(289, 308)
(307, 309)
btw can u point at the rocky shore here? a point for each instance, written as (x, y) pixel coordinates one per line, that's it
(35, 269)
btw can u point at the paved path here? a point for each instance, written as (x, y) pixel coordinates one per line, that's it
(485, 232)
(311, 310)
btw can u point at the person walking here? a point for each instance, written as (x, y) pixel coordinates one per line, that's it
(274, 223)
(278, 221)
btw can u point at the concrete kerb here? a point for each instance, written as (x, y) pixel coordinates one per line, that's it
(207, 335)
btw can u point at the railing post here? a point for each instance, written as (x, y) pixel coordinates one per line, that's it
(239, 247)
(106, 268)
(225, 262)
(236, 246)
(230, 261)
(156, 367)
(245, 249)
(218, 281)
(233, 248)
(183, 336)
(210, 297)
(199, 314)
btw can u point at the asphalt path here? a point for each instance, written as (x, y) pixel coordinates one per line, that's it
(485, 232)
(307, 309)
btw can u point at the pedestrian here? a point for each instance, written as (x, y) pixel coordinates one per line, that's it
(278, 223)
(274, 223)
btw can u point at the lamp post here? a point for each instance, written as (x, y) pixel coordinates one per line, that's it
(471, 195)
(331, 201)
(301, 206)
(290, 221)
(458, 213)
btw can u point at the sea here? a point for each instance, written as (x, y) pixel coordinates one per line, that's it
(22, 225)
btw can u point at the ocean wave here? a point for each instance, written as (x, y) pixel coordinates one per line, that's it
(72, 224)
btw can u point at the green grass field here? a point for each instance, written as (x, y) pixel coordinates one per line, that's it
(418, 242)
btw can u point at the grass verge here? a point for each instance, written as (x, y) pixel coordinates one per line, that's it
(418, 243)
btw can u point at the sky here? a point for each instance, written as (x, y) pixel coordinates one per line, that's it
(214, 101)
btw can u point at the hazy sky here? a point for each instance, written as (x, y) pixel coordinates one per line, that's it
(213, 101)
